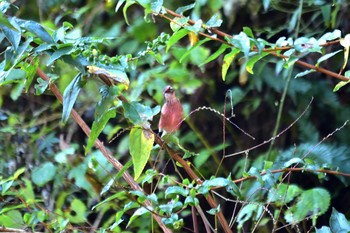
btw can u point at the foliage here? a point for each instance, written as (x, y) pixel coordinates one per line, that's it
(111, 60)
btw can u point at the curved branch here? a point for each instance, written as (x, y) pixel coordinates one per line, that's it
(272, 51)
(77, 118)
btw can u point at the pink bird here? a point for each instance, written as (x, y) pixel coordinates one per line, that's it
(171, 113)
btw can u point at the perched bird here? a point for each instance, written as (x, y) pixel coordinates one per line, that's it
(171, 113)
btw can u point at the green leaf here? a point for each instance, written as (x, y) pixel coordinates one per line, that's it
(175, 190)
(125, 8)
(110, 198)
(41, 86)
(12, 219)
(98, 126)
(338, 222)
(312, 202)
(77, 211)
(323, 229)
(182, 9)
(70, 95)
(326, 57)
(228, 58)
(193, 201)
(5, 22)
(252, 60)
(12, 76)
(139, 114)
(141, 143)
(193, 47)
(196, 27)
(214, 21)
(43, 174)
(36, 29)
(340, 85)
(140, 211)
(217, 53)
(156, 5)
(248, 31)
(242, 42)
(283, 194)
(306, 72)
(12, 35)
(331, 35)
(30, 69)
(19, 172)
(103, 112)
(246, 214)
(175, 38)
(59, 53)
(214, 211)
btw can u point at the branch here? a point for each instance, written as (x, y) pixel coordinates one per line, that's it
(194, 177)
(294, 169)
(271, 51)
(77, 118)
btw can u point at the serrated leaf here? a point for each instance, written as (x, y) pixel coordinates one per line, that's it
(283, 194)
(141, 143)
(228, 58)
(313, 202)
(217, 53)
(254, 59)
(43, 174)
(175, 38)
(338, 222)
(70, 95)
(192, 48)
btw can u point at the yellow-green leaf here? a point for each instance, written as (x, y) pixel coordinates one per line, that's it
(227, 61)
(141, 143)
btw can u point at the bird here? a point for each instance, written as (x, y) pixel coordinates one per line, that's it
(171, 113)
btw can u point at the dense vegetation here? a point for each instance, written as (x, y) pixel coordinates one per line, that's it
(264, 145)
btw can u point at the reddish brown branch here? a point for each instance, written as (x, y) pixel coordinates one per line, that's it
(294, 170)
(77, 118)
(194, 177)
(271, 51)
